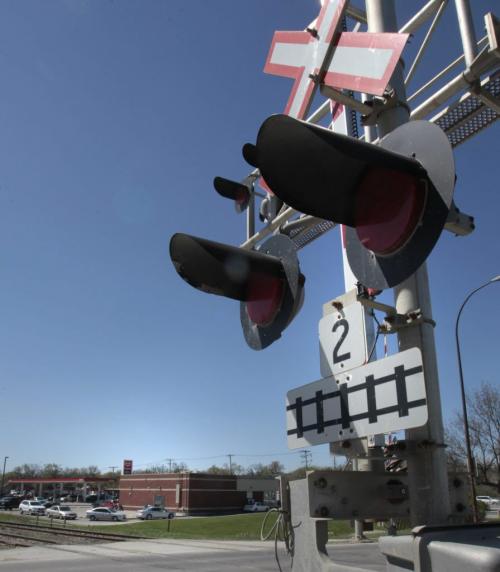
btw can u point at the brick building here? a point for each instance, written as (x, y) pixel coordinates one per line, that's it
(193, 493)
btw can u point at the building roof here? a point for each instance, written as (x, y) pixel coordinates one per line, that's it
(45, 480)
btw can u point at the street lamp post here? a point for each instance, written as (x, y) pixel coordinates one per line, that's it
(3, 474)
(470, 463)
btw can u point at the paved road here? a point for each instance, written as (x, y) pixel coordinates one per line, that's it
(185, 555)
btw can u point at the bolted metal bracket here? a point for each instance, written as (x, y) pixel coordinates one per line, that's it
(396, 322)
(345, 495)
(381, 105)
(459, 223)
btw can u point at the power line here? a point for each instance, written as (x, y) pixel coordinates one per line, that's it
(172, 460)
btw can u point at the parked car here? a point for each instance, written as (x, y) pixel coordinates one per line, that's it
(489, 501)
(152, 512)
(46, 502)
(70, 497)
(31, 507)
(256, 506)
(61, 511)
(103, 513)
(10, 502)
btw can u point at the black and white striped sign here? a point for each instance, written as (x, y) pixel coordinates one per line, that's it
(380, 397)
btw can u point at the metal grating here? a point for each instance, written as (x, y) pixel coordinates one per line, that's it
(468, 116)
(303, 236)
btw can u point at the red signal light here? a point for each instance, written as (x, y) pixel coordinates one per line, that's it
(267, 282)
(394, 197)
(265, 294)
(389, 206)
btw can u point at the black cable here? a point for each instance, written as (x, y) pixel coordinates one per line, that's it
(281, 530)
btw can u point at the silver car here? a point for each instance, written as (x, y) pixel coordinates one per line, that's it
(151, 512)
(103, 513)
(61, 511)
(31, 507)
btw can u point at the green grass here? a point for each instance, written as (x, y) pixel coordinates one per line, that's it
(233, 527)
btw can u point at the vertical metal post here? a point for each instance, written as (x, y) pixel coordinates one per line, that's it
(251, 216)
(427, 472)
(467, 33)
(3, 474)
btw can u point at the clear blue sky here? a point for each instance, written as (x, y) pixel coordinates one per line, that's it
(115, 115)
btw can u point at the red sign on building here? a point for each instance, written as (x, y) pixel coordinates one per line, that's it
(127, 466)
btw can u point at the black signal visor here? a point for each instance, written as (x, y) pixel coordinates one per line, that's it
(225, 270)
(319, 172)
(238, 192)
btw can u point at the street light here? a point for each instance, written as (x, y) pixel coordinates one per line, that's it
(470, 463)
(3, 474)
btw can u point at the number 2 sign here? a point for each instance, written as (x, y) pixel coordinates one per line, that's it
(342, 340)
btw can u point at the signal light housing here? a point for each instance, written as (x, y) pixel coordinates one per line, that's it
(240, 193)
(393, 197)
(267, 282)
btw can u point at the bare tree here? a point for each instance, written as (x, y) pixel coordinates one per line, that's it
(272, 469)
(483, 408)
(235, 469)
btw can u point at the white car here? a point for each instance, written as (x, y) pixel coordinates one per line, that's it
(61, 511)
(490, 501)
(152, 512)
(256, 506)
(103, 513)
(31, 507)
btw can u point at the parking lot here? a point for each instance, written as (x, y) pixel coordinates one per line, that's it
(81, 509)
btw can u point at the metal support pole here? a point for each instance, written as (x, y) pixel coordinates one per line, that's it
(427, 472)
(3, 474)
(425, 42)
(467, 33)
(251, 216)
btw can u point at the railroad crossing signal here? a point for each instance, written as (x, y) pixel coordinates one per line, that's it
(240, 193)
(394, 196)
(267, 282)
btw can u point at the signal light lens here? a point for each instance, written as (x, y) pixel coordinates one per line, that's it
(264, 297)
(389, 207)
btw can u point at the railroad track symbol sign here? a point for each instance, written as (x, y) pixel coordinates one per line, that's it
(380, 397)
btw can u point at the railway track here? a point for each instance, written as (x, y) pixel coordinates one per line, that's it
(12, 532)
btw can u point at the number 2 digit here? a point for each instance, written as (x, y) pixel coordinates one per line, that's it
(345, 325)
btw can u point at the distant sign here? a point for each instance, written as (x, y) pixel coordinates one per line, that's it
(127, 466)
(380, 397)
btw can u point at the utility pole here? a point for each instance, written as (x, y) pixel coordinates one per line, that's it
(113, 467)
(427, 472)
(306, 456)
(230, 463)
(169, 465)
(3, 474)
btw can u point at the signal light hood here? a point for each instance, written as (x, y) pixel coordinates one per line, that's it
(267, 282)
(328, 175)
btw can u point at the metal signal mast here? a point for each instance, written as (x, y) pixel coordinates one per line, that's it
(391, 191)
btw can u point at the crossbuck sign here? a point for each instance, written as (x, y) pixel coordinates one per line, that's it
(323, 55)
(380, 397)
